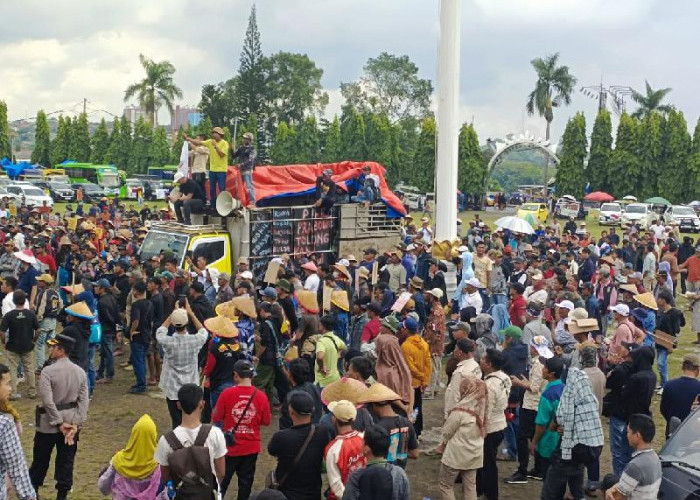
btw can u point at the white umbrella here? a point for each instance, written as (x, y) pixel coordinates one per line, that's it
(630, 198)
(515, 224)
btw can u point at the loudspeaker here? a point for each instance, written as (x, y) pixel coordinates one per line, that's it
(225, 203)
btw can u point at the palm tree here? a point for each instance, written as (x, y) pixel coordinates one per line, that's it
(651, 102)
(157, 89)
(553, 88)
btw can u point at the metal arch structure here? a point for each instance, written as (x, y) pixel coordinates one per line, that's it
(522, 142)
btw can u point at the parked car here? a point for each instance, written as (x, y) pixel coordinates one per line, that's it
(680, 461)
(610, 214)
(30, 195)
(685, 216)
(534, 212)
(61, 191)
(91, 191)
(132, 188)
(10, 196)
(639, 213)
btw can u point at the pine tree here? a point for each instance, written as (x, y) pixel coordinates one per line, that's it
(694, 165)
(111, 154)
(601, 149)
(122, 143)
(99, 144)
(422, 174)
(61, 144)
(333, 143)
(5, 144)
(250, 83)
(282, 151)
(80, 139)
(308, 143)
(470, 163)
(42, 141)
(379, 139)
(159, 152)
(650, 136)
(352, 131)
(571, 178)
(623, 166)
(673, 182)
(140, 147)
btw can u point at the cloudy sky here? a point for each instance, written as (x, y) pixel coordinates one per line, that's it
(52, 54)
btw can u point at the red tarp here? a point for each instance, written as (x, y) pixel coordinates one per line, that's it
(286, 180)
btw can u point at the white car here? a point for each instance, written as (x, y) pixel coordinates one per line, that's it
(30, 195)
(685, 216)
(639, 213)
(610, 214)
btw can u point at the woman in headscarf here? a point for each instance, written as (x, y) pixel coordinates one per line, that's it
(463, 435)
(133, 474)
(467, 274)
(391, 367)
(484, 335)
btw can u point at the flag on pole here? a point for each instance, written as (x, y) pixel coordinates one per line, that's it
(184, 165)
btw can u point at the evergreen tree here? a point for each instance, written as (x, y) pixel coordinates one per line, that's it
(308, 143)
(250, 83)
(159, 152)
(422, 174)
(176, 150)
(42, 141)
(694, 165)
(204, 127)
(123, 146)
(674, 177)
(80, 139)
(601, 149)
(470, 163)
(379, 139)
(61, 143)
(650, 139)
(352, 131)
(282, 151)
(140, 148)
(111, 154)
(333, 143)
(5, 144)
(99, 144)
(570, 178)
(407, 131)
(623, 166)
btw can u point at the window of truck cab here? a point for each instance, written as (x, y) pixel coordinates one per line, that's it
(157, 241)
(212, 248)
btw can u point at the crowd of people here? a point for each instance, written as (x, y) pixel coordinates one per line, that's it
(543, 336)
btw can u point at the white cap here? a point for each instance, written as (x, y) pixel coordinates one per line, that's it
(462, 248)
(179, 317)
(410, 247)
(436, 292)
(344, 262)
(247, 275)
(474, 282)
(621, 309)
(178, 176)
(537, 276)
(566, 304)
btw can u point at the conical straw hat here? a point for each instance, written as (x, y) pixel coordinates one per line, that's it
(378, 393)
(307, 300)
(647, 300)
(75, 289)
(339, 298)
(245, 305)
(227, 309)
(630, 288)
(222, 327)
(80, 310)
(345, 388)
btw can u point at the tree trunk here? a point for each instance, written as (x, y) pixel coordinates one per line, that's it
(546, 164)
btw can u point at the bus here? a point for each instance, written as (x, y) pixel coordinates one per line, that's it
(105, 176)
(166, 173)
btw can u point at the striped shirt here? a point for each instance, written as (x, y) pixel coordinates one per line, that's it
(641, 478)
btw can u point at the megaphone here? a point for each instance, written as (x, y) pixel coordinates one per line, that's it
(225, 203)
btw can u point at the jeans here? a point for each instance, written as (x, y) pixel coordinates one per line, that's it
(244, 467)
(216, 178)
(138, 362)
(499, 298)
(91, 372)
(47, 327)
(106, 368)
(248, 181)
(510, 435)
(487, 476)
(184, 209)
(215, 392)
(418, 405)
(619, 447)
(560, 474)
(662, 364)
(44, 444)
(593, 473)
(485, 299)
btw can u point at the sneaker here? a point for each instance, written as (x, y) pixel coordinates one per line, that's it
(516, 478)
(534, 474)
(660, 391)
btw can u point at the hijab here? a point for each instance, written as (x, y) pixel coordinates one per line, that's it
(473, 399)
(391, 367)
(136, 460)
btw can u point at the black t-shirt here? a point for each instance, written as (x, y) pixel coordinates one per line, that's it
(122, 284)
(142, 310)
(304, 482)
(158, 310)
(19, 325)
(402, 438)
(191, 187)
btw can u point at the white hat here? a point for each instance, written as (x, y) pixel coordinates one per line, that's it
(436, 292)
(178, 176)
(344, 262)
(462, 248)
(247, 275)
(474, 282)
(621, 309)
(179, 317)
(410, 247)
(537, 276)
(541, 345)
(566, 304)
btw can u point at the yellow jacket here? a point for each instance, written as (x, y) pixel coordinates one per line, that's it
(417, 354)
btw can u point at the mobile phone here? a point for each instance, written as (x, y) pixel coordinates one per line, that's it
(181, 301)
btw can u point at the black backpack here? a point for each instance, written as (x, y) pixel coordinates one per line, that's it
(190, 467)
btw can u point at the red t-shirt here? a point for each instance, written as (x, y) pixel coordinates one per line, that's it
(49, 261)
(517, 310)
(370, 331)
(229, 408)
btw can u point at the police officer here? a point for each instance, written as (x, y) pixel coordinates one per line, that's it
(64, 396)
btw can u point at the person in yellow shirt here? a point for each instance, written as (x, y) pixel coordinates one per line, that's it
(218, 160)
(417, 354)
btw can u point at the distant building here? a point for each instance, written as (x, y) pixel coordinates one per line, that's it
(184, 116)
(133, 113)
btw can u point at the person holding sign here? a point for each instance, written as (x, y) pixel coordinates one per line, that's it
(218, 161)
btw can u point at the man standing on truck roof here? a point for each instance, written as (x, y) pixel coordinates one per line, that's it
(218, 160)
(199, 158)
(246, 155)
(192, 198)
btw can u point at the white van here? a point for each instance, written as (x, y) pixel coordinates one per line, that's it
(639, 213)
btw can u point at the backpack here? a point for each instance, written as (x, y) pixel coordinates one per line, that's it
(190, 467)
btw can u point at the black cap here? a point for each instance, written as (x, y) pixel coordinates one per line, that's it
(301, 402)
(63, 341)
(374, 307)
(244, 368)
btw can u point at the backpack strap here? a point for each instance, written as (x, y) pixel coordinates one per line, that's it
(173, 441)
(202, 435)
(301, 451)
(245, 410)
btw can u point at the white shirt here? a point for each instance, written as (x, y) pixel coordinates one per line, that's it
(659, 231)
(312, 282)
(472, 300)
(7, 304)
(540, 296)
(19, 241)
(426, 235)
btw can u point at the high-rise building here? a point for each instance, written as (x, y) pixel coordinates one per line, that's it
(184, 116)
(133, 113)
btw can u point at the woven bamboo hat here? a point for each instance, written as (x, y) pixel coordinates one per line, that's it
(222, 327)
(343, 270)
(339, 298)
(307, 300)
(227, 309)
(80, 310)
(647, 300)
(245, 305)
(378, 393)
(630, 288)
(345, 388)
(75, 289)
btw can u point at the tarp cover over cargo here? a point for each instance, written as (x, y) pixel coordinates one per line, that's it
(14, 170)
(274, 183)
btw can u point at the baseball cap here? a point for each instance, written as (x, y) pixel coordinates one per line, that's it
(244, 368)
(103, 282)
(465, 327)
(541, 345)
(178, 176)
(566, 304)
(474, 282)
(269, 292)
(343, 410)
(692, 360)
(512, 331)
(247, 275)
(300, 401)
(410, 324)
(622, 309)
(179, 317)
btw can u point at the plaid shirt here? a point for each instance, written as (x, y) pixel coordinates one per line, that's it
(578, 414)
(12, 461)
(180, 360)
